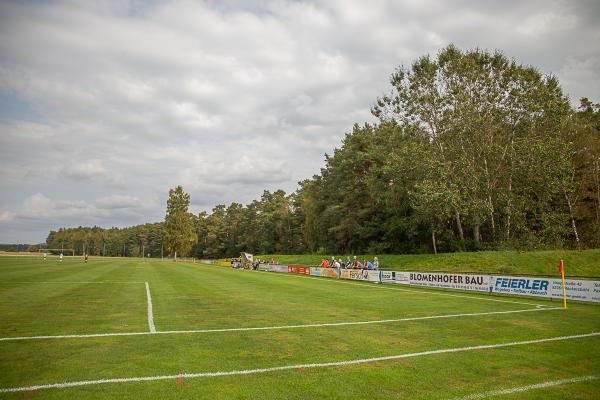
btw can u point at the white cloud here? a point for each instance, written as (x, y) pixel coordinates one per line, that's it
(85, 170)
(583, 75)
(116, 210)
(543, 23)
(117, 202)
(6, 216)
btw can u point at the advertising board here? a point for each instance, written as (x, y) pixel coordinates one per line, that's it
(298, 269)
(360, 275)
(402, 277)
(325, 272)
(279, 268)
(264, 267)
(479, 283)
(546, 287)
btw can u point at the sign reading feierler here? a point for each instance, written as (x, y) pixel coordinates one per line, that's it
(546, 287)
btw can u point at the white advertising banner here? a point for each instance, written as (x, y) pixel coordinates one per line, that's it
(326, 272)
(402, 277)
(546, 287)
(264, 267)
(478, 283)
(279, 268)
(387, 276)
(360, 275)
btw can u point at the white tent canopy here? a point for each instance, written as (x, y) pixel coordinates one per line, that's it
(247, 257)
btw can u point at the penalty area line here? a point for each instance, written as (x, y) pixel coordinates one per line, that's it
(150, 313)
(67, 282)
(264, 328)
(527, 388)
(291, 367)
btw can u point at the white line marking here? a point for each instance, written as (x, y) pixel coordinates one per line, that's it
(527, 388)
(262, 328)
(288, 367)
(91, 335)
(72, 282)
(150, 315)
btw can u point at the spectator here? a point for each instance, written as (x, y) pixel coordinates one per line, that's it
(359, 265)
(369, 264)
(376, 263)
(324, 263)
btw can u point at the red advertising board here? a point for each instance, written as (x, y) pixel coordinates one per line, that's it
(297, 269)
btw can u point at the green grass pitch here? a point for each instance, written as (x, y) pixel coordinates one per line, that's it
(108, 296)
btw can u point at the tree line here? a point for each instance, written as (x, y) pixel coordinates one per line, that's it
(471, 151)
(132, 241)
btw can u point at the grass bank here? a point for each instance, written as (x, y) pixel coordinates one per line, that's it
(577, 263)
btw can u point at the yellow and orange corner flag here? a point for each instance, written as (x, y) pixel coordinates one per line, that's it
(561, 269)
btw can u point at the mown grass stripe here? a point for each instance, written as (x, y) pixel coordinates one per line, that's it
(262, 328)
(289, 367)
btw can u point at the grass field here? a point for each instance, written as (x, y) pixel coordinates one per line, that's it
(578, 263)
(417, 344)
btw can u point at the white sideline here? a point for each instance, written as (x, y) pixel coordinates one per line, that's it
(289, 367)
(150, 314)
(527, 388)
(263, 328)
(69, 282)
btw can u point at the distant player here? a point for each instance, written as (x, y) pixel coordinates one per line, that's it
(85, 257)
(45, 256)
(60, 258)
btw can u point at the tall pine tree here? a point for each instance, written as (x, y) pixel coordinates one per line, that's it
(179, 232)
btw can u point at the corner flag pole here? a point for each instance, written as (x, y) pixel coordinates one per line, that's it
(561, 268)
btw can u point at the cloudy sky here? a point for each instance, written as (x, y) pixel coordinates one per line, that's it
(106, 105)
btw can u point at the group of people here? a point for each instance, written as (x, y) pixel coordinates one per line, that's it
(354, 263)
(60, 257)
(325, 263)
(241, 264)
